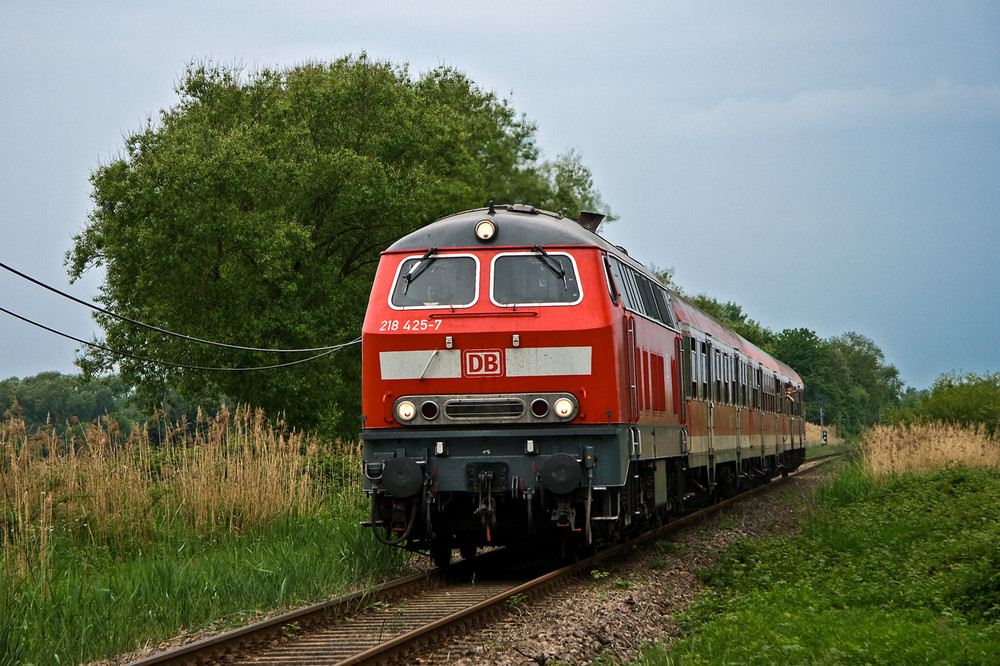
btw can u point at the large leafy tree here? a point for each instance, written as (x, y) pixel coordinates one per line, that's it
(804, 351)
(254, 210)
(865, 386)
(849, 372)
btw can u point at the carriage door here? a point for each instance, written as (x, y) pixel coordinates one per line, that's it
(710, 397)
(737, 399)
(778, 440)
(761, 411)
(632, 354)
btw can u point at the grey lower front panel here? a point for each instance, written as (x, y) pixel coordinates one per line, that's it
(514, 457)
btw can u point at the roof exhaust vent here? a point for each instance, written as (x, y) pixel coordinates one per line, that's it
(590, 221)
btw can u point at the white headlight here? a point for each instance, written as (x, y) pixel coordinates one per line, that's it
(485, 230)
(405, 411)
(564, 408)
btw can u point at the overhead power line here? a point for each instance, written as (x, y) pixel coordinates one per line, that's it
(325, 351)
(156, 328)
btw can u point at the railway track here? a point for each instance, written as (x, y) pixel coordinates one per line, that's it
(393, 622)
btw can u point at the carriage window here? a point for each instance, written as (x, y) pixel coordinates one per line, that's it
(535, 279)
(744, 382)
(660, 298)
(436, 281)
(688, 366)
(727, 379)
(612, 288)
(650, 302)
(717, 377)
(706, 380)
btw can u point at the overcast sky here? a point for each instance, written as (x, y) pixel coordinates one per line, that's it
(827, 165)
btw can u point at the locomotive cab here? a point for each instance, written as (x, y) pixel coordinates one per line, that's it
(485, 374)
(524, 380)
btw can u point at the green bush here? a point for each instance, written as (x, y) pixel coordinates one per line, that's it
(960, 399)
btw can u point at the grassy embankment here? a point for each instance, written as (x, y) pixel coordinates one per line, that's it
(112, 541)
(897, 563)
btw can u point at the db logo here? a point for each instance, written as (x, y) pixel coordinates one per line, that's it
(482, 363)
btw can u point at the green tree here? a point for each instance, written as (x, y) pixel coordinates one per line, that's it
(809, 356)
(569, 188)
(253, 213)
(866, 386)
(908, 409)
(55, 398)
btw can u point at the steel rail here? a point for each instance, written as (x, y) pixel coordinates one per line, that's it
(230, 645)
(244, 638)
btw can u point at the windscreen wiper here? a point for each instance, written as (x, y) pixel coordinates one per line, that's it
(552, 265)
(417, 268)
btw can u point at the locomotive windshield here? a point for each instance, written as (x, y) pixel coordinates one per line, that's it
(537, 278)
(435, 280)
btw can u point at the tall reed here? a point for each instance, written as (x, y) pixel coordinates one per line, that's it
(215, 476)
(923, 447)
(814, 434)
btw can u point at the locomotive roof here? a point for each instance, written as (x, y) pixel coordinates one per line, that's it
(525, 226)
(517, 226)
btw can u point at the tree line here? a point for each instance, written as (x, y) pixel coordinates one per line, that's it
(54, 400)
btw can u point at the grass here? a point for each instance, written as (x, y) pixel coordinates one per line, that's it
(113, 541)
(894, 565)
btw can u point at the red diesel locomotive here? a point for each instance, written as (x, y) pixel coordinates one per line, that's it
(524, 380)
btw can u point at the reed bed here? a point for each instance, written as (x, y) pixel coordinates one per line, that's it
(114, 540)
(923, 448)
(216, 476)
(814, 435)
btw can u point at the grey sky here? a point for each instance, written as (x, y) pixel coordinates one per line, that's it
(833, 166)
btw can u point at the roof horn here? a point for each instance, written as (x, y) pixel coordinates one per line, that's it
(590, 221)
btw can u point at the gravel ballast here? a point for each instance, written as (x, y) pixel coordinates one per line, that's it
(616, 610)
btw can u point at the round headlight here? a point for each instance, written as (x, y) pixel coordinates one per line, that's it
(429, 410)
(405, 411)
(485, 230)
(564, 408)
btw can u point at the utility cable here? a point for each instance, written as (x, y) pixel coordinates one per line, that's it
(156, 328)
(325, 351)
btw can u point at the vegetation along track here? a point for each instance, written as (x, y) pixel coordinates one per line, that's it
(393, 622)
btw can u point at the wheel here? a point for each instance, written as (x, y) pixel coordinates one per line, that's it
(728, 485)
(441, 556)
